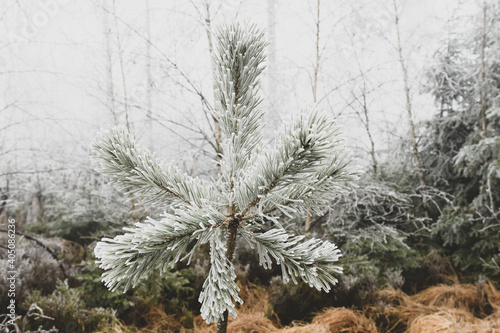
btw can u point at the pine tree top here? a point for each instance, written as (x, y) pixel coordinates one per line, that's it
(303, 171)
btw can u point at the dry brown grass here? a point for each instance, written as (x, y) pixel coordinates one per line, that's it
(441, 309)
(200, 326)
(454, 321)
(492, 292)
(345, 320)
(251, 323)
(251, 314)
(157, 321)
(443, 321)
(306, 328)
(251, 317)
(401, 306)
(467, 297)
(455, 296)
(256, 299)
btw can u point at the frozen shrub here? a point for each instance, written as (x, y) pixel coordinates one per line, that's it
(36, 270)
(69, 310)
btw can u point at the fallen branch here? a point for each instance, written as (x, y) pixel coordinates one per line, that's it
(45, 247)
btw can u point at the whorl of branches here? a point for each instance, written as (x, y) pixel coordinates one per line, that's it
(304, 170)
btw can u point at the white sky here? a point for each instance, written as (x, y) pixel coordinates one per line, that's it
(53, 56)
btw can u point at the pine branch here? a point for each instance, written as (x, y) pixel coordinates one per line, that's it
(307, 164)
(237, 69)
(219, 288)
(128, 258)
(134, 170)
(312, 260)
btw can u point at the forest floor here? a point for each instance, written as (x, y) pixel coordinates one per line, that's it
(456, 308)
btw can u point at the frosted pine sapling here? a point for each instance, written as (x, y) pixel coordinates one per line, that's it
(304, 170)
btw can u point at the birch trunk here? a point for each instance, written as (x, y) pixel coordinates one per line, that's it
(416, 154)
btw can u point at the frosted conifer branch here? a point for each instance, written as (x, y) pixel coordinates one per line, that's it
(219, 288)
(312, 260)
(238, 66)
(303, 171)
(135, 170)
(153, 245)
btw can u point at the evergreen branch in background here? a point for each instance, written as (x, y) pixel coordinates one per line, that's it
(313, 260)
(134, 170)
(471, 158)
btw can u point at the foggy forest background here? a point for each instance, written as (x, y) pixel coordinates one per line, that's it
(413, 86)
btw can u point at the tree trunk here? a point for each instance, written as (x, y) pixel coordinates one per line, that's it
(272, 90)
(232, 227)
(34, 210)
(217, 132)
(316, 66)
(231, 244)
(109, 66)
(367, 127)
(122, 69)
(315, 89)
(483, 72)
(149, 78)
(416, 154)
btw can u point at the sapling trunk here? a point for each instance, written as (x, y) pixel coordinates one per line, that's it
(231, 244)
